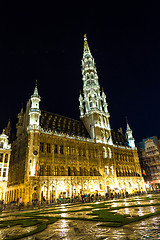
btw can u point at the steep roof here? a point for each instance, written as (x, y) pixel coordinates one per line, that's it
(119, 138)
(59, 124)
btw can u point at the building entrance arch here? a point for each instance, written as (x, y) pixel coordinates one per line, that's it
(109, 186)
(52, 193)
(44, 193)
(35, 194)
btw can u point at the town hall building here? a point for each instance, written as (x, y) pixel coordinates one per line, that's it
(55, 156)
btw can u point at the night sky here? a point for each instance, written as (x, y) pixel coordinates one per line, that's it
(45, 42)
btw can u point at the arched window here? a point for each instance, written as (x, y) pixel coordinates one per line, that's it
(91, 172)
(74, 171)
(69, 171)
(105, 123)
(80, 171)
(1, 144)
(110, 153)
(111, 169)
(104, 152)
(106, 170)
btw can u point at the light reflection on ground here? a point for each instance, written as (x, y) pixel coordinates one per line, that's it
(81, 230)
(138, 211)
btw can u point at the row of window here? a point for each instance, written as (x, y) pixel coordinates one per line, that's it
(5, 158)
(60, 171)
(152, 160)
(149, 148)
(152, 152)
(124, 158)
(155, 169)
(4, 173)
(155, 177)
(70, 150)
(127, 173)
(48, 149)
(108, 170)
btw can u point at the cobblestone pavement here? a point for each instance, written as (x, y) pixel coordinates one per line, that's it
(68, 229)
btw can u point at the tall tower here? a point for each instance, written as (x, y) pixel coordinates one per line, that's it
(34, 111)
(129, 136)
(33, 134)
(93, 106)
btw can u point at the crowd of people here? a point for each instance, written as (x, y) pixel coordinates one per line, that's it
(83, 198)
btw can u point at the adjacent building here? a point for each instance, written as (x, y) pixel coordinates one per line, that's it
(55, 156)
(5, 152)
(149, 155)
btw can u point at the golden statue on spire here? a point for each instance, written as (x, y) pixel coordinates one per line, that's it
(85, 36)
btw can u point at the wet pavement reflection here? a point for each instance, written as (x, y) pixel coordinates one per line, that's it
(82, 230)
(67, 229)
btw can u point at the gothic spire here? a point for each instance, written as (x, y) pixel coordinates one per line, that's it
(129, 135)
(93, 106)
(93, 101)
(86, 49)
(35, 90)
(128, 127)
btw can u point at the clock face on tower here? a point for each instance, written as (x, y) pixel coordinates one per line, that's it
(35, 152)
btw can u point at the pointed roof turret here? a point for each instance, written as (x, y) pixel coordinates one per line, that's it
(129, 135)
(128, 127)
(35, 94)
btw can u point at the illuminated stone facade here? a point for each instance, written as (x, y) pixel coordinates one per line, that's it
(5, 152)
(56, 156)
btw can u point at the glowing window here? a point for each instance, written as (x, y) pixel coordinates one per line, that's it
(106, 170)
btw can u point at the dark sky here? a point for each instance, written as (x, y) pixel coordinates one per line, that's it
(45, 42)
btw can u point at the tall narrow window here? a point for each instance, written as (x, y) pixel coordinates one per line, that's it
(111, 170)
(74, 171)
(4, 172)
(6, 158)
(48, 147)
(106, 170)
(104, 152)
(79, 151)
(1, 144)
(55, 148)
(62, 171)
(1, 157)
(41, 146)
(41, 170)
(61, 149)
(80, 171)
(69, 171)
(48, 170)
(110, 153)
(85, 172)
